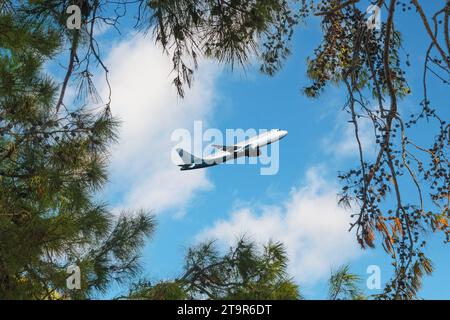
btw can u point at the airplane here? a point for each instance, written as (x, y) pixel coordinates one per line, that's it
(248, 148)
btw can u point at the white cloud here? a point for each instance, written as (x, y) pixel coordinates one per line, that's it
(309, 222)
(342, 143)
(145, 100)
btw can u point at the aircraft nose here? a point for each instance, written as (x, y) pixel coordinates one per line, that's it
(283, 133)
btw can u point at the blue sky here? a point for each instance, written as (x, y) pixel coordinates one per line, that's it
(297, 205)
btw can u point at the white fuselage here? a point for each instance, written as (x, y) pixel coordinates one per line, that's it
(249, 147)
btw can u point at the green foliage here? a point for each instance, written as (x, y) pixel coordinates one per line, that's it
(228, 31)
(51, 165)
(350, 50)
(244, 272)
(164, 290)
(344, 285)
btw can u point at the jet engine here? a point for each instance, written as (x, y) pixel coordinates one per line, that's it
(252, 152)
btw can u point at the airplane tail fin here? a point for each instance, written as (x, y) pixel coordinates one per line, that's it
(187, 157)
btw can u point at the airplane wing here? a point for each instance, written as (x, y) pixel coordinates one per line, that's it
(227, 148)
